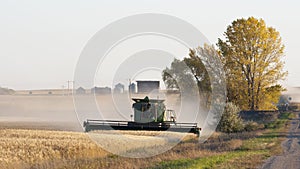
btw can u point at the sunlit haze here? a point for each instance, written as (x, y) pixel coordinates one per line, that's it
(42, 40)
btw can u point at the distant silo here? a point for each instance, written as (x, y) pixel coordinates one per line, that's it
(132, 88)
(119, 88)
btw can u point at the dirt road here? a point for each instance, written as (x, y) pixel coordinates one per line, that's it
(290, 159)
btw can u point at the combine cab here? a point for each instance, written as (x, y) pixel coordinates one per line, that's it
(149, 114)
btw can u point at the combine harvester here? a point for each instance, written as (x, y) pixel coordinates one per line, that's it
(149, 114)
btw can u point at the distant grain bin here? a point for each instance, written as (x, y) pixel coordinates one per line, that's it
(147, 86)
(132, 88)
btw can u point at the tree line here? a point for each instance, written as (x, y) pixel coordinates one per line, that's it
(251, 53)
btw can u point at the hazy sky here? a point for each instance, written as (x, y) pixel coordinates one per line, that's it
(40, 41)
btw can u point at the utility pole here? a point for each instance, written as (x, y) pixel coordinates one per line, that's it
(72, 82)
(129, 89)
(63, 90)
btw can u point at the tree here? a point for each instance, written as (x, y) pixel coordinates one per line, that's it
(198, 70)
(230, 120)
(178, 76)
(190, 69)
(252, 57)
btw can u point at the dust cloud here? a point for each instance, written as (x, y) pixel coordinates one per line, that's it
(40, 112)
(59, 112)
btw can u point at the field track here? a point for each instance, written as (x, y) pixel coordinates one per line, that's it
(290, 157)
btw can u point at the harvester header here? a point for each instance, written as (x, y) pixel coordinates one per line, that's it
(149, 114)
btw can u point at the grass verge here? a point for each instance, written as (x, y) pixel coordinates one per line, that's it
(250, 154)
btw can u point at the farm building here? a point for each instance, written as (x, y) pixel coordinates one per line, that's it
(147, 86)
(101, 90)
(80, 90)
(119, 88)
(6, 91)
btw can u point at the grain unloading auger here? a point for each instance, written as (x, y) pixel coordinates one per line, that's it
(149, 114)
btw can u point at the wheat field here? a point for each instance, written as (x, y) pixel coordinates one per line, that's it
(42, 132)
(27, 147)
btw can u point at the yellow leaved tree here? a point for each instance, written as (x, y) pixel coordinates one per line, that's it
(252, 56)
